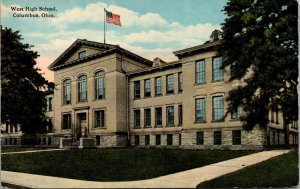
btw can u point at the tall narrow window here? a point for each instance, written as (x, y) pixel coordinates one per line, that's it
(236, 137)
(276, 117)
(218, 74)
(199, 138)
(237, 113)
(100, 85)
(157, 139)
(147, 140)
(169, 139)
(137, 140)
(200, 72)
(137, 89)
(82, 88)
(170, 116)
(217, 138)
(218, 108)
(170, 84)
(99, 119)
(158, 117)
(147, 88)
(147, 117)
(66, 121)
(67, 92)
(137, 119)
(180, 116)
(50, 104)
(200, 110)
(158, 86)
(180, 82)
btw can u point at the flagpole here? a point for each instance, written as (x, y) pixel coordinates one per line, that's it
(104, 23)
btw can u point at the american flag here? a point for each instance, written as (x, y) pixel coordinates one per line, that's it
(112, 18)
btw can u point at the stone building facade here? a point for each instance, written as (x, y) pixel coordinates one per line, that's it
(117, 98)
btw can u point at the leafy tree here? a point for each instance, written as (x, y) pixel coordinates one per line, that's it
(261, 43)
(23, 88)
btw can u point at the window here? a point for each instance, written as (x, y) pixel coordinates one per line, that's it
(272, 116)
(180, 82)
(169, 139)
(147, 117)
(217, 138)
(237, 113)
(99, 119)
(137, 89)
(82, 54)
(100, 85)
(66, 121)
(158, 117)
(170, 116)
(170, 84)
(276, 117)
(157, 139)
(200, 72)
(147, 139)
(82, 88)
(147, 88)
(200, 110)
(180, 115)
(67, 92)
(98, 140)
(179, 139)
(217, 71)
(136, 140)
(236, 137)
(218, 108)
(158, 86)
(199, 138)
(137, 119)
(50, 100)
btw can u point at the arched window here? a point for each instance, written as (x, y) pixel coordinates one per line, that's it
(67, 91)
(100, 85)
(82, 88)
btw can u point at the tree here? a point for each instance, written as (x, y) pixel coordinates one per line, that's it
(261, 42)
(23, 88)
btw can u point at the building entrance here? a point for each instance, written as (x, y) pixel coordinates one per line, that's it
(80, 126)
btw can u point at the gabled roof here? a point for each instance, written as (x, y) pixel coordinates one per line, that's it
(196, 49)
(106, 49)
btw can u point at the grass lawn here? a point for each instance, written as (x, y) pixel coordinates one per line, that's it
(281, 171)
(5, 149)
(113, 164)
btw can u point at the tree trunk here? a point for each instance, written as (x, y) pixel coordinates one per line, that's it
(286, 133)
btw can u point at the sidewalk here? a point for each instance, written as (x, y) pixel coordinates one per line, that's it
(186, 179)
(32, 151)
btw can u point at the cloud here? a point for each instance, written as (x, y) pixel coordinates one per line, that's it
(94, 13)
(4, 10)
(182, 36)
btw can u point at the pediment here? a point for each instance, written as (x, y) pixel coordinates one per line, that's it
(80, 45)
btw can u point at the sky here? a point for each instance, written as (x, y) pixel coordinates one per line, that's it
(150, 28)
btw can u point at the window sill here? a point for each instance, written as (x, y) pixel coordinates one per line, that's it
(136, 127)
(81, 102)
(158, 126)
(148, 127)
(137, 98)
(217, 121)
(199, 84)
(145, 97)
(216, 81)
(95, 100)
(170, 126)
(65, 130)
(158, 95)
(234, 120)
(200, 122)
(98, 128)
(170, 93)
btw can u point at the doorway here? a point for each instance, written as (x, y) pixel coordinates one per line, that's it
(80, 126)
